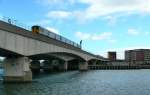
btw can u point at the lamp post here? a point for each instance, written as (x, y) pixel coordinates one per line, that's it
(81, 43)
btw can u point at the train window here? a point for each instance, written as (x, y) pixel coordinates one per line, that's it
(63, 39)
(44, 33)
(75, 44)
(57, 37)
(69, 42)
(51, 35)
(78, 46)
(72, 43)
(38, 29)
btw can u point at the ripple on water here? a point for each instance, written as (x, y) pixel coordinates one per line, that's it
(100, 82)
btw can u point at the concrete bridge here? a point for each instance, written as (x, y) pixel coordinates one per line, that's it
(22, 47)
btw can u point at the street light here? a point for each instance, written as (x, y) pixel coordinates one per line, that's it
(81, 43)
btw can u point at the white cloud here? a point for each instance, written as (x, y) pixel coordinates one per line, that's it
(52, 2)
(1, 16)
(59, 14)
(133, 32)
(82, 36)
(99, 8)
(147, 33)
(53, 30)
(102, 36)
(111, 20)
(107, 36)
(107, 7)
(112, 41)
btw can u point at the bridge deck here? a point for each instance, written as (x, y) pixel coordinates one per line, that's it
(26, 33)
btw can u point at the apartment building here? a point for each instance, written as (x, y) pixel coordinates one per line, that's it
(138, 56)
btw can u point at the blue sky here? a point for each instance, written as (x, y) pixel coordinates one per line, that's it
(103, 25)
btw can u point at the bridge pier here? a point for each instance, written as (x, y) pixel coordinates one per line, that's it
(83, 66)
(35, 66)
(17, 70)
(65, 66)
(47, 66)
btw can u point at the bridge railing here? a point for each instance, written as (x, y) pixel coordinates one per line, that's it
(14, 22)
(50, 34)
(58, 37)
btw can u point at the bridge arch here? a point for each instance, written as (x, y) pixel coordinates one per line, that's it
(96, 62)
(60, 55)
(71, 60)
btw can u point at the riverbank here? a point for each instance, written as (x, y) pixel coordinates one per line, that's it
(117, 67)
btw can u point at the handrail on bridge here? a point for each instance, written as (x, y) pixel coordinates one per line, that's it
(21, 25)
(14, 22)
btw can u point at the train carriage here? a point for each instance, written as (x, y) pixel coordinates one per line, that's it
(45, 32)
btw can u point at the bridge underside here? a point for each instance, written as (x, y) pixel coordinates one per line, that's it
(59, 61)
(18, 68)
(7, 53)
(19, 46)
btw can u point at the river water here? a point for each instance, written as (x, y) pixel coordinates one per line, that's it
(96, 82)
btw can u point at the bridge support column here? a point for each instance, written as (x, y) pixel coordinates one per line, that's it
(83, 66)
(65, 65)
(17, 70)
(47, 66)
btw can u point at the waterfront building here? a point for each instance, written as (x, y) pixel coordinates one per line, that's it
(112, 56)
(138, 56)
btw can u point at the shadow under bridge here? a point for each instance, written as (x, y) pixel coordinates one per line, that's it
(56, 61)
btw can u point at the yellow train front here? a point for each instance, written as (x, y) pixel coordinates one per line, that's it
(35, 29)
(42, 31)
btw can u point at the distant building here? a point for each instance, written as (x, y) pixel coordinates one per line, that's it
(139, 56)
(112, 56)
(118, 62)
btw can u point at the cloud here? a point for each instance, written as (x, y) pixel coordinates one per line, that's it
(136, 32)
(59, 14)
(51, 2)
(111, 20)
(53, 30)
(133, 32)
(112, 41)
(57, 4)
(1, 16)
(147, 33)
(102, 36)
(96, 37)
(99, 8)
(83, 36)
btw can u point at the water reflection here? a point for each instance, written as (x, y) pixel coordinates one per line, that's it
(123, 82)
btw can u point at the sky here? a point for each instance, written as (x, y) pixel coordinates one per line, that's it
(103, 25)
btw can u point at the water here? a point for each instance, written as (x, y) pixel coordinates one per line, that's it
(1, 73)
(100, 82)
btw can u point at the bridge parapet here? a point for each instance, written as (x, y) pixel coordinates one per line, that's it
(26, 43)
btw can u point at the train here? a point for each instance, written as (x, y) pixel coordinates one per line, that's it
(45, 32)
